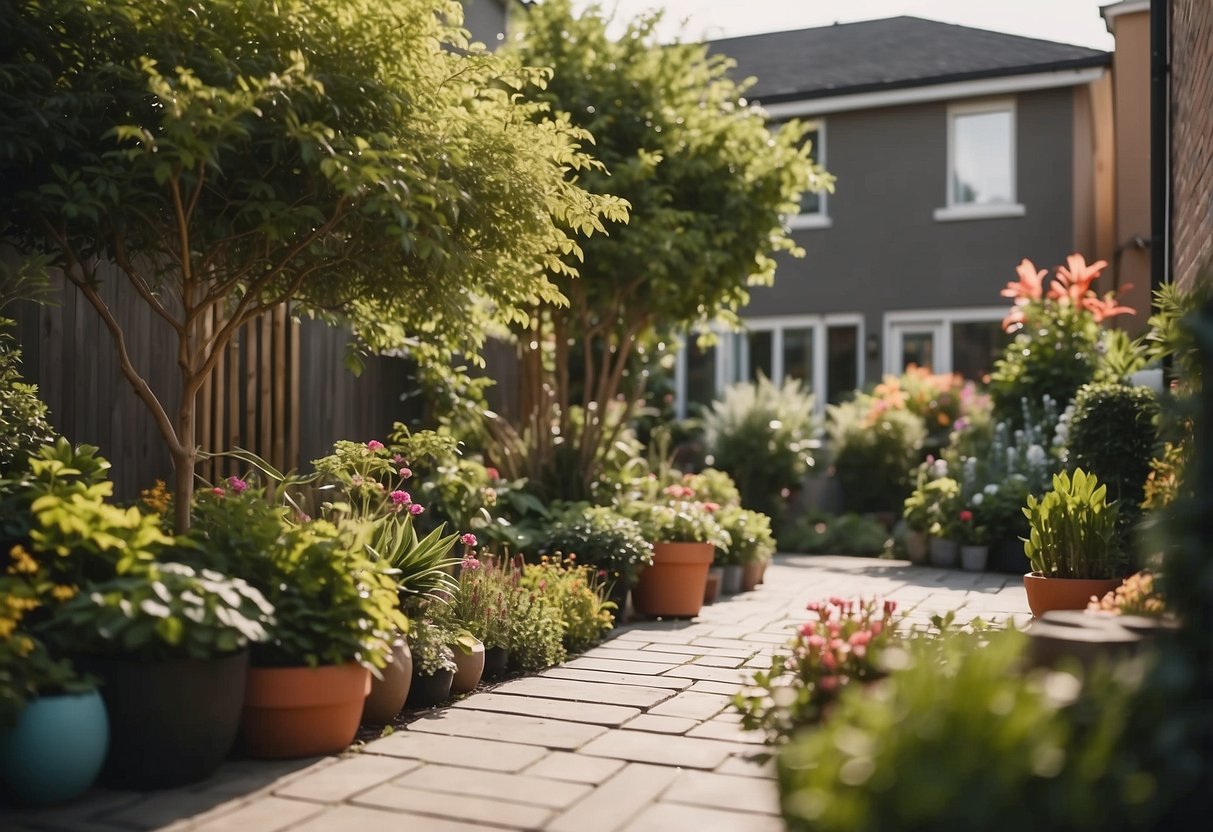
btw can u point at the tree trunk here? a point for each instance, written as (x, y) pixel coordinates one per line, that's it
(184, 458)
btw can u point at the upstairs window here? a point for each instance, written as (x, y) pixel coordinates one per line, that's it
(813, 204)
(981, 161)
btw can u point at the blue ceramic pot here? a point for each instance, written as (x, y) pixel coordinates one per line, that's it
(55, 751)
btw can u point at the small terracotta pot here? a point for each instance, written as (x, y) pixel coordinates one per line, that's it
(711, 589)
(675, 583)
(389, 693)
(303, 711)
(916, 546)
(496, 660)
(1048, 594)
(750, 575)
(428, 691)
(470, 668)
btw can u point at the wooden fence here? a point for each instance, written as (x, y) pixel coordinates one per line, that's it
(280, 390)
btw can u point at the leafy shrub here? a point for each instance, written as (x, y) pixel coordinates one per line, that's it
(23, 425)
(578, 595)
(27, 669)
(168, 611)
(874, 451)
(1113, 434)
(846, 534)
(536, 631)
(711, 485)
(1073, 530)
(601, 537)
(429, 642)
(916, 752)
(750, 538)
(760, 435)
(420, 566)
(679, 521)
(839, 646)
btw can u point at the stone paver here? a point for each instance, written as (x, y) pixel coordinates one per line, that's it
(635, 735)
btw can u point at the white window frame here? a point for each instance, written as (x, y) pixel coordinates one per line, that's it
(730, 371)
(936, 321)
(953, 210)
(820, 218)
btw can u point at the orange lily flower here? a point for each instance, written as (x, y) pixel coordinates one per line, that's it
(1030, 282)
(1014, 319)
(1105, 307)
(1075, 281)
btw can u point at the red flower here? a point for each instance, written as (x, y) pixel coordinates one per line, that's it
(966, 516)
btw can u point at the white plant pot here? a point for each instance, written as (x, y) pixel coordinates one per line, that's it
(973, 558)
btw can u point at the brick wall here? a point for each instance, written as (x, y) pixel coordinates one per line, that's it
(1192, 136)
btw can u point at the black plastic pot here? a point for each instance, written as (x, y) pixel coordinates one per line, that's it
(428, 691)
(171, 722)
(496, 659)
(619, 594)
(1007, 557)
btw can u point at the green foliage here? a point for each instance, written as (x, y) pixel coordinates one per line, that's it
(59, 468)
(874, 451)
(602, 537)
(99, 537)
(1073, 530)
(23, 425)
(1173, 330)
(846, 534)
(579, 596)
(1113, 434)
(536, 631)
(482, 602)
(420, 566)
(711, 485)
(167, 611)
(760, 434)
(750, 538)
(429, 642)
(678, 521)
(28, 670)
(916, 752)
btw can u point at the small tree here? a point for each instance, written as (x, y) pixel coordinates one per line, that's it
(233, 155)
(708, 186)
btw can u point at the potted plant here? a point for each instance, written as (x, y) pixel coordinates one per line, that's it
(943, 497)
(1002, 508)
(751, 541)
(468, 652)
(53, 728)
(916, 511)
(1072, 544)
(602, 537)
(169, 645)
(433, 663)
(481, 606)
(685, 538)
(337, 614)
(971, 534)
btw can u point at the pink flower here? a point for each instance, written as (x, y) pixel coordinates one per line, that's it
(860, 637)
(816, 642)
(468, 539)
(415, 509)
(400, 498)
(406, 472)
(829, 683)
(470, 563)
(236, 484)
(375, 445)
(492, 474)
(218, 492)
(711, 508)
(397, 458)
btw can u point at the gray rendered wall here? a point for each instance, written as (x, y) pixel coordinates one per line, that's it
(885, 251)
(485, 19)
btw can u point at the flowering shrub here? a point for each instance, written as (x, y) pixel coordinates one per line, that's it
(943, 401)
(839, 647)
(579, 596)
(368, 481)
(679, 521)
(873, 451)
(749, 534)
(1136, 595)
(482, 601)
(1056, 348)
(601, 537)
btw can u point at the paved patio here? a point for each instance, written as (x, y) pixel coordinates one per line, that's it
(634, 735)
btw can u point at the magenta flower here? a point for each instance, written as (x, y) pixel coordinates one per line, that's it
(397, 458)
(470, 563)
(400, 498)
(415, 509)
(375, 445)
(236, 484)
(406, 472)
(468, 539)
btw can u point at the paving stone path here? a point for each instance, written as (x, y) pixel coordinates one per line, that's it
(634, 735)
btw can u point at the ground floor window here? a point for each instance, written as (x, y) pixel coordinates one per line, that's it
(965, 341)
(822, 351)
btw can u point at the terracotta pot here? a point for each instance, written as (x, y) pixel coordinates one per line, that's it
(943, 552)
(389, 693)
(55, 750)
(171, 722)
(730, 584)
(1048, 594)
(750, 574)
(917, 546)
(973, 558)
(762, 572)
(303, 711)
(496, 660)
(711, 589)
(470, 668)
(428, 691)
(675, 583)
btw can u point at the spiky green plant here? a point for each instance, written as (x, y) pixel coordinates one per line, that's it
(1072, 530)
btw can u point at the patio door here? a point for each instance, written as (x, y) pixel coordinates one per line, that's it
(919, 342)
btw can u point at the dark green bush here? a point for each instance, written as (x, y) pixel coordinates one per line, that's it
(23, 425)
(875, 452)
(1113, 434)
(846, 534)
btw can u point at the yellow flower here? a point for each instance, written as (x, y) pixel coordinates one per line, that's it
(22, 562)
(23, 645)
(7, 625)
(62, 592)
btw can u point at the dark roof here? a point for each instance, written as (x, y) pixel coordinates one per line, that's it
(889, 54)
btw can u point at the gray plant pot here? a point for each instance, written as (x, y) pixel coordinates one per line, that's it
(730, 584)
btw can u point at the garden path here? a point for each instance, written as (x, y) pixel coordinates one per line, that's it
(633, 735)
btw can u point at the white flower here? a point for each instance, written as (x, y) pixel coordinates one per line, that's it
(976, 501)
(1036, 455)
(939, 468)
(990, 490)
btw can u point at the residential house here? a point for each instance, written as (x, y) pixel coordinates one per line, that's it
(957, 153)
